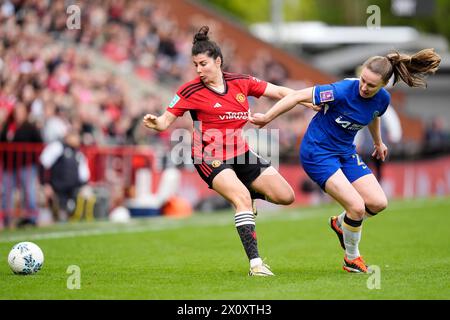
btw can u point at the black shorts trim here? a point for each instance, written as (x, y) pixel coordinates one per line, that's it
(247, 166)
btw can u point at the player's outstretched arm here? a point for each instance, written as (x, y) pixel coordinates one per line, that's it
(380, 149)
(279, 92)
(276, 92)
(160, 123)
(287, 103)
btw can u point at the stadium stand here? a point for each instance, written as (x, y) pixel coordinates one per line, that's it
(125, 60)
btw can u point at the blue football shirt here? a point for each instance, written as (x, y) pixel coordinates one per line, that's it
(343, 113)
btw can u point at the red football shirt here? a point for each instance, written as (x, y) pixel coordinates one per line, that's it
(218, 117)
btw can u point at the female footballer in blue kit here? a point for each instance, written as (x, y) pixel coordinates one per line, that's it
(327, 152)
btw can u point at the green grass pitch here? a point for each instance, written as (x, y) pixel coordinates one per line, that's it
(202, 258)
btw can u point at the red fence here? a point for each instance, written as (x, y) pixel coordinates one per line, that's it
(401, 180)
(112, 168)
(122, 161)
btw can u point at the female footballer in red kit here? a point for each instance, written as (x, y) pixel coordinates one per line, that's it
(218, 104)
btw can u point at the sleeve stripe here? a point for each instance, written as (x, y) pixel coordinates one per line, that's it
(314, 95)
(235, 78)
(190, 93)
(232, 75)
(188, 88)
(240, 76)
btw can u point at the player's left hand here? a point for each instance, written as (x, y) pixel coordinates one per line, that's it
(258, 119)
(312, 106)
(380, 151)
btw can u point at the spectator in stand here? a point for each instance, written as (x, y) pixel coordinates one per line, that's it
(55, 128)
(391, 133)
(64, 159)
(19, 167)
(436, 137)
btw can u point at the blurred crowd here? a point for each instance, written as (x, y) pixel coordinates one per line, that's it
(57, 83)
(51, 71)
(47, 68)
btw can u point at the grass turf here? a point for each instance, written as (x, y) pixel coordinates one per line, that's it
(202, 257)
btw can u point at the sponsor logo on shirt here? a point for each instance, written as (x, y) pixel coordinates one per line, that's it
(347, 124)
(217, 105)
(234, 116)
(174, 101)
(326, 96)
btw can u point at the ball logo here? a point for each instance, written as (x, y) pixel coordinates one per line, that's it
(25, 258)
(240, 97)
(216, 163)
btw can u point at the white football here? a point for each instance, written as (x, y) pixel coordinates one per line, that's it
(120, 215)
(25, 258)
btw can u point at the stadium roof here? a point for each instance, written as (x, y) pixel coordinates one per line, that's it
(321, 33)
(342, 48)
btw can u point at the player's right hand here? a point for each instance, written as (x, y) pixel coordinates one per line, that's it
(150, 121)
(380, 151)
(258, 119)
(312, 106)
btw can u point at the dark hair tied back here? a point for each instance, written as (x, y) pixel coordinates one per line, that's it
(202, 45)
(201, 35)
(411, 69)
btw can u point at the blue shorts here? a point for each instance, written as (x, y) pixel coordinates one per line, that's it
(321, 164)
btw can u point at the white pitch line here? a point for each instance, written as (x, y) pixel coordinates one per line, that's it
(158, 226)
(81, 233)
(220, 220)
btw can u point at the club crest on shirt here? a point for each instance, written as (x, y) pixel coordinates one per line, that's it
(216, 163)
(326, 96)
(375, 114)
(240, 97)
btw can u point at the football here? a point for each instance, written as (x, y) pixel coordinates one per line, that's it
(25, 258)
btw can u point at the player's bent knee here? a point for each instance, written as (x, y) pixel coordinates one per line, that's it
(287, 198)
(377, 206)
(357, 210)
